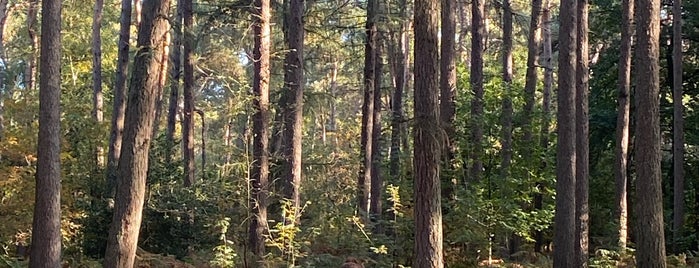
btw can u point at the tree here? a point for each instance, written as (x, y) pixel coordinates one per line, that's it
(650, 239)
(175, 74)
(364, 181)
(564, 219)
(622, 123)
(546, 110)
(507, 76)
(678, 126)
(293, 110)
(582, 209)
(119, 104)
(97, 98)
(427, 150)
(46, 227)
(375, 206)
(188, 95)
(30, 68)
(477, 50)
(447, 78)
(140, 114)
(260, 168)
(400, 57)
(4, 14)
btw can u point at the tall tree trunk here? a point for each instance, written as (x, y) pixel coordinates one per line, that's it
(175, 74)
(622, 123)
(119, 106)
(162, 79)
(97, 98)
(188, 93)
(506, 116)
(375, 208)
(4, 14)
(462, 49)
(447, 87)
(399, 58)
(133, 165)
(477, 50)
(650, 240)
(293, 112)
(564, 220)
(259, 178)
(546, 111)
(364, 182)
(582, 184)
(46, 227)
(678, 126)
(30, 68)
(427, 153)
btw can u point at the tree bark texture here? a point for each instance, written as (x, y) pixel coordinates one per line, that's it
(507, 76)
(30, 69)
(582, 173)
(97, 98)
(678, 127)
(188, 95)
(447, 78)
(427, 150)
(175, 74)
(46, 226)
(364, 181)
(4, 14)
(531, 77)
(293, 112)
(622, 123)
(375, 205)
(119, 104)
(477, 50)
(650, 239)
(259, 178)
(546, 111)
(564, 219)
(140, 114)
(399, 62)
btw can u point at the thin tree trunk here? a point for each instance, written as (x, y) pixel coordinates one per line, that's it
(364, 182)
(4, 14)
(188, 92)
(293, 112)
(202, 116)
(375, 208)
(259, 178)
(678, 127)
(546, 110)
(622, 123)
(533, 43)
(447, 87)
(477, 50)
(175, 74)
(133, 166)
(650, 239)
(30, 69)
(427, 153)
(119, 106)
(97, 98)
(399, 58)
(582, 209)
(46, 226)
(162, 79)
(507, 77)
(564, 219)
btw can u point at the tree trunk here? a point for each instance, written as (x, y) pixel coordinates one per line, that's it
(375, 208)
(364, 182)
(119, 106)
(133, 166)
(202, 116)
(97, 98)
(399, 59)
(428, 208)
(564, 220)
(175, 74)
(293, 112)
(650, 240)
(4, 14)
(546, 111)
(507, 77)
(259, 178)
(447, 87)
(477, 50)
(162, 79)
(582, 184)
(678, 127)
(46, 227)
(188, 93)
(30, 69)
(533, 43)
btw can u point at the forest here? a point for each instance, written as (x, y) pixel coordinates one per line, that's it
(349, 133)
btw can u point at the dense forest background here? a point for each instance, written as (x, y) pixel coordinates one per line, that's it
(355, 190)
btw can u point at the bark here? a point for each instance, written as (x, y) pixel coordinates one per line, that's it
(507, 77)
(546, 110)
(188, 94)
(293, 112)
(650, 239)
(582, 210)
(30, 68)
(133, 165)
(531, 80)
(364, 181)
(427, 150)
(259, 178)
(4, 14)
(399, 58)
(477, 50)
(678, 127)
(375, 207)
(119, 105)
(564, 219)
(464, 25)
(97, 98)
(46, 226)
(162, 79)
(175, 74)
(622, 123)
(447, 79)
